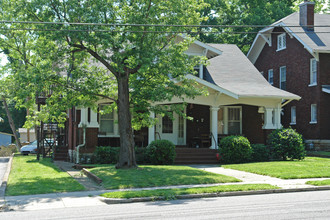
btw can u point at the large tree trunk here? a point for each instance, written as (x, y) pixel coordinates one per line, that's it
(127, 154)
(11, 123)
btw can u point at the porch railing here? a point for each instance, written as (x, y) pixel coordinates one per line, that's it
(215, 141)
(157, 133)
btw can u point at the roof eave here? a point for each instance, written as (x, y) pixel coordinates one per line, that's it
(295, 97)
(212, 86)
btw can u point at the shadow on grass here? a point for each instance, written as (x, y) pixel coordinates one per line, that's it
(37, 185)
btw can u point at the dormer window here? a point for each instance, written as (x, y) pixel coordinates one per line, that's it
(199, 71)
(281, 42)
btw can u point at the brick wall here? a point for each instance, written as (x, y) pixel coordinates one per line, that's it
(325, 97)
(297, 62)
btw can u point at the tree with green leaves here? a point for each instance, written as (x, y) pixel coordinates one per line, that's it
(248, 13)
(91, 53)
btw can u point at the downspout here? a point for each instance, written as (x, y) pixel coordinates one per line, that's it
(81, 145)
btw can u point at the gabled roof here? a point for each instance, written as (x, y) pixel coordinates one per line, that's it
(317, 41)
(234, 73)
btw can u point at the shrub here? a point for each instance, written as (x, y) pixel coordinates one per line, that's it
(287, 144)
(140, 155)
(235, 149)
(7, 151)
(260, 153)
(110, 155)
(161, 152)
(106, 155)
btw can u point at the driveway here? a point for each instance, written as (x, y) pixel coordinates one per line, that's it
(3, 167)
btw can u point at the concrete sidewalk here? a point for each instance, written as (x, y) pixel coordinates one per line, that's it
(90, 198)
(251, 178)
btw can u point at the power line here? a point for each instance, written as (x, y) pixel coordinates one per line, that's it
(142, 31)
(149, 25)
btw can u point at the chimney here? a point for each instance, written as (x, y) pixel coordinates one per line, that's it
(306, 15)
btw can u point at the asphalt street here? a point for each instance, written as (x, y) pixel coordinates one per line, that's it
(300, 205)
(3, 167)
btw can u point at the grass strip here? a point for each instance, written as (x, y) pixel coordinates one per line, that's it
(29, 176)
(151, 176)
(319, 183)
(310, 167)
(172, 193)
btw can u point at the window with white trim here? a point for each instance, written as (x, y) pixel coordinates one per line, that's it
(313, 113)
(293, 115)
(271, 76)
(106, 121)
(313, 72)
(281, 41)
(283, 77)
(234, 120)
(167, 123)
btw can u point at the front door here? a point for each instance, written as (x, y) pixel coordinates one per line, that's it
(172, 130)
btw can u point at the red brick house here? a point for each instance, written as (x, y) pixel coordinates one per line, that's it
(239, 101)
(293, 54)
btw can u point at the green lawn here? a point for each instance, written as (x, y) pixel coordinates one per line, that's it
(172, 193)
(311, 167)
(28, 176)
(319, 183)
(149, 176)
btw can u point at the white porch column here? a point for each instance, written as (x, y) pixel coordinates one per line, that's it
(93, 123)
(151, 130)
(225, 120)
(277, 115)
(214, 126)
(268, 119)
(83, 117)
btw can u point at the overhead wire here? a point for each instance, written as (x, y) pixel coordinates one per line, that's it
(115, 25)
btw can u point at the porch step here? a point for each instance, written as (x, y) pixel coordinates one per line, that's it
(196, 156)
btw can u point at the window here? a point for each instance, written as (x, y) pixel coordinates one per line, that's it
(106, 121)
(198, 71)
(293, 115)
(234, 120)
(167, 125)
(271, 77)
(281, 42)
(313, 114)
(283, 77)
(313, 72)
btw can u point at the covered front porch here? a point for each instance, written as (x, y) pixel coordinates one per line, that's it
(218, 115)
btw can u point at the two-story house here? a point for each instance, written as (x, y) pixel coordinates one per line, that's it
(293, 54)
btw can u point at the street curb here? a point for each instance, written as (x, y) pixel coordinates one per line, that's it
(5, 180)
(92, 176)
(209, 195)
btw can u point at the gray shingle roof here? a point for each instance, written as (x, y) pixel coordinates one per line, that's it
(317, 40)
(234, 72)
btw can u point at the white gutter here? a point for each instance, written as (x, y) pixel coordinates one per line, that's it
(81, 145)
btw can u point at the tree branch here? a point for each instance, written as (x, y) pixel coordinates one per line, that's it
(96, 56)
